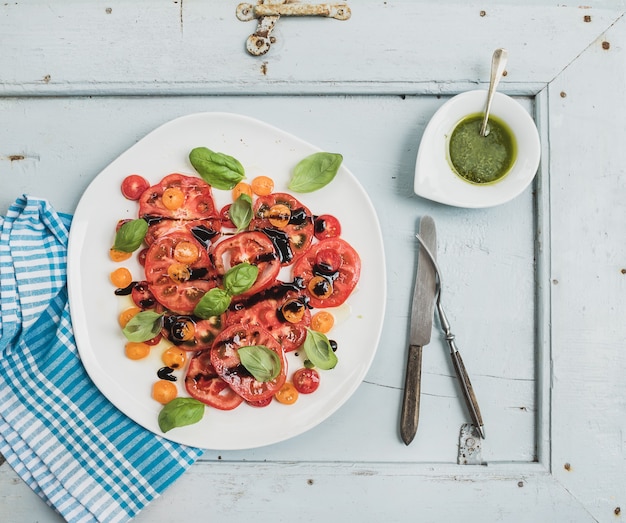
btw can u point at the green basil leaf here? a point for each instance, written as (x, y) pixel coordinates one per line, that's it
(143, 326)
(130, 235)
(314, 172)
(263, 363)
(318, 350)
(213, 303)
(240, 212)
(180, 412)
(217, 169)
(240, 278)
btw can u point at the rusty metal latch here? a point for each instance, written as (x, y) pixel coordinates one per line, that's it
(267, 12)
(470, 444)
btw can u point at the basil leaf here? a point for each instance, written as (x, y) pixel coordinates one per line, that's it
(213, 303)
(240, 278)
(217, 169)
(318, 350)
(130, 235)
(240, 212)
(143, 326)
(263, 363)
(314, 172)
(180, 412)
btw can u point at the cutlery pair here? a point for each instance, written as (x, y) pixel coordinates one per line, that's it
(427, 296)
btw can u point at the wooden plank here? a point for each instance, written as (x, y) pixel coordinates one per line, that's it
(160, 46)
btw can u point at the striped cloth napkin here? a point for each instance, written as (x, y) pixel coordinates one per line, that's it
(86, 459)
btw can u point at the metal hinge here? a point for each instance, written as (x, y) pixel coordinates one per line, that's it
(267, 12)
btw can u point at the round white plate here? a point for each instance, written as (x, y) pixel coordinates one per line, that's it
(261, 149)
(436, 180)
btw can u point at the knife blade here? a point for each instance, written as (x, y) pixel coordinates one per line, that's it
(422, 312)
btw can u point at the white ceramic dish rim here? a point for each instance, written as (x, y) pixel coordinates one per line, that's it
(436, 180)
(262, 149)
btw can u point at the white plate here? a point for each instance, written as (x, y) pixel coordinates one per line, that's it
(261, 149)
(436, 180)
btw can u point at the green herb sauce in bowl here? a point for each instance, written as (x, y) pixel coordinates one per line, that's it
(482, 159)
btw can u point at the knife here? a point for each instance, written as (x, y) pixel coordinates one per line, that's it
(422, 312)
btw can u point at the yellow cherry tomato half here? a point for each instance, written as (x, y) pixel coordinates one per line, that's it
(186, 252)
(119, 256)
(320, 287)
(136, 350)
(322, 321)
(179, 272)
(127, 315)
(293, 310)
(279, 215)
(173, 198)
(174, 357)
(262, 185)
(242, 188)
(287, 394)
(164, 391)
(183, 329)
(121, 277)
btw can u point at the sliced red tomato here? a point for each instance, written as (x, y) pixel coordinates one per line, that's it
(253, 247)
(266, 309)
(295, 237)
(227, 364)
(306, 380)
(134, 186)
(204, 384)
(177, 290)
(197, 199)
(340, 278)
(327, 226)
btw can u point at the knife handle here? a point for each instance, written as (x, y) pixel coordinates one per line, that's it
(468, 391)
(411, 402)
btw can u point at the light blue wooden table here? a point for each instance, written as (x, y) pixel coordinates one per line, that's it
(536, 287)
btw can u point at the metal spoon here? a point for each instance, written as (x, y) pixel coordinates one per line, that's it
(459, 367)
(498, 63)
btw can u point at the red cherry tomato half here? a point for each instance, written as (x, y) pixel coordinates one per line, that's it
(327, 226)
(225, 217)
(306, 380)
(133, 186)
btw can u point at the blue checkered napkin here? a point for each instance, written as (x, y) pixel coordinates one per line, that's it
(61, 435)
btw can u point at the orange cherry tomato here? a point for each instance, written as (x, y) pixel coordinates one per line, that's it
(164, 391)
(293, 310)
(173, 198)
(186, 252)
(119, 256)
(242, 188)
(279, 215)
(136, 351)
(179, 272)
(262, 185)
(320, 287)
(322, 321)
(287, 394)
(121, 277)
(174, 357)
(127, 315)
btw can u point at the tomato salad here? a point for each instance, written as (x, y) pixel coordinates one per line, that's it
(213, 296)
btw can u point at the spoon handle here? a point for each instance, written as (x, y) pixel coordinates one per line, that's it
(498, 63)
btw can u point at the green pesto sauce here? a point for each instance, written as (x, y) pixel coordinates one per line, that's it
(482, 159)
